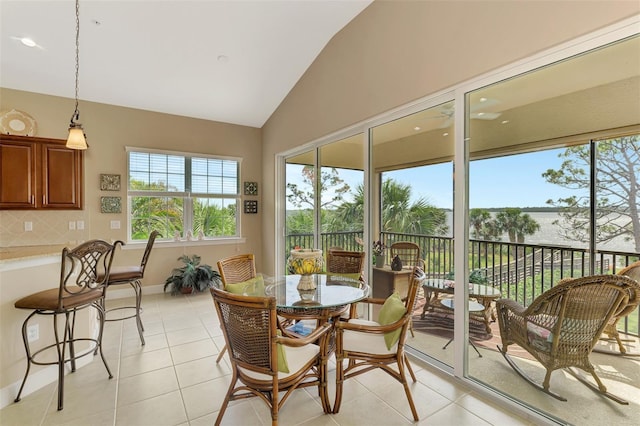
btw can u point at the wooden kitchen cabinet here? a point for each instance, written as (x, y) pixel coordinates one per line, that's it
(39, 173)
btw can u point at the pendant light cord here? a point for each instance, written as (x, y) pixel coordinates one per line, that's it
(76, 113)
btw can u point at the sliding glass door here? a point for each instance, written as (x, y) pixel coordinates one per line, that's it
(546, 171)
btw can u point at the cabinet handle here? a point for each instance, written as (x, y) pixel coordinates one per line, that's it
(43, 202)
(33, 199)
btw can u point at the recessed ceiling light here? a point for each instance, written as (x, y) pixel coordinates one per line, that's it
(416, 128)
(480, 114)
(445, 134)
(505, 121)
(483, 99)
(28, 42)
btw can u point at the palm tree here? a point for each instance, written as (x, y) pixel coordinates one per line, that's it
(516, 224)
(399, 214)
(482, 224)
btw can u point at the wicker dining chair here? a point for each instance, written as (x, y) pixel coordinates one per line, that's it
(233, 270)
(79, 288)
(611, 329)
(345, 262)
(361, 343)
(133, 276)
(256, 347)
(408, 252)
(563, 324)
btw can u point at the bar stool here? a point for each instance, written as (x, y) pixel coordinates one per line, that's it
(79, 288)
(132, 275)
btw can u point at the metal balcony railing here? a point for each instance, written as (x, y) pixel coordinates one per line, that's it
(520, 271)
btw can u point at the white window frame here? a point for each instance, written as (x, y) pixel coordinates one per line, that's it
(187, 195)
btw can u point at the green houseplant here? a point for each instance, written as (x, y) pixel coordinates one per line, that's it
(192, 276)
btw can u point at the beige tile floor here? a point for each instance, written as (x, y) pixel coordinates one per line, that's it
(174, 380)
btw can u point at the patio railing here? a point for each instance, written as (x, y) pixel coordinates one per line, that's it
(520, 271)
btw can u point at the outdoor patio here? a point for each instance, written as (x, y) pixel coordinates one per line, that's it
(621, 374)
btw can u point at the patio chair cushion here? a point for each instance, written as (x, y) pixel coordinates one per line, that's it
(366, 342)
(539, 337)
(297, 357)
(392, 310)
(251, 287)
(283, 364)
(353, 276)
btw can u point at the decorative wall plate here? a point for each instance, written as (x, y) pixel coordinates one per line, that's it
(251, 206)
(110, 205)
(251, 188)
(15, 122)
(109, 182)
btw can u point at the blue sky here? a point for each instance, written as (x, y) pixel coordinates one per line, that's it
(508, 181)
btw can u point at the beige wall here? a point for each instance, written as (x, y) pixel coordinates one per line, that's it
(109, 129)
(392, 53)
(395, 52)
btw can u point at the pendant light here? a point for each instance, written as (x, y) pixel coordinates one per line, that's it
(77, 138)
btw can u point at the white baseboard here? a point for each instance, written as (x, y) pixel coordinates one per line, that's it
(49, 374)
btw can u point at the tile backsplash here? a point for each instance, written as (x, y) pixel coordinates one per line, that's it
(47, 227)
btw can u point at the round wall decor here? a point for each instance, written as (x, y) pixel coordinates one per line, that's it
(15, 122)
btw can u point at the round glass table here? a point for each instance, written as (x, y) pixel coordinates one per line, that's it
(332, 296)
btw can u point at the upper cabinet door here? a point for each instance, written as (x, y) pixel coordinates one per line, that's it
(40, 173)
(17, 175)
(61, 177)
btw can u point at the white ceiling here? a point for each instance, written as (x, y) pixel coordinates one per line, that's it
(165, 56)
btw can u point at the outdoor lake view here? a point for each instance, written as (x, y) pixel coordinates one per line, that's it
(534, 182)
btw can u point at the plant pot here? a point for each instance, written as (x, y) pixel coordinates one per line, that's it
(380, 261)
(186, 290)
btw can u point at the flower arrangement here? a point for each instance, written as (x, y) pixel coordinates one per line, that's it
(378, 248)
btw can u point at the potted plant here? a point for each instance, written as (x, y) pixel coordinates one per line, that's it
(192, 276)
(378, 250)
(476, 276)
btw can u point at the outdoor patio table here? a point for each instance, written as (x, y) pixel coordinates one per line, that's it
(484, 294)
(473, 307)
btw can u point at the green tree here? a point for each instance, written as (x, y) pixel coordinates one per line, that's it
(163, 214)
(617, 190)
(213, 220)
(332, 188)
(399, 214)
(483, 226)
(515, 224)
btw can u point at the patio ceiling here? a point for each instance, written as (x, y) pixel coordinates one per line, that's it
(589, 93)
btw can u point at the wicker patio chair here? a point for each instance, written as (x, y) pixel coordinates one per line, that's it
(611, 329)
(408, 252)
(562, 325)
(250, 329)
(362, 343)
(233, 270)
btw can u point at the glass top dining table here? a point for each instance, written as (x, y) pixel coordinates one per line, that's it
(332, 295)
